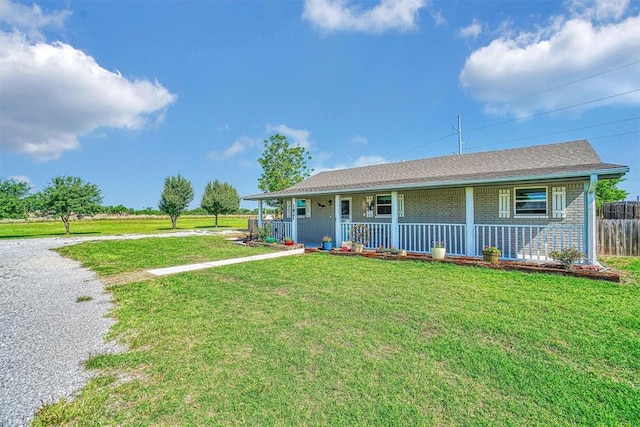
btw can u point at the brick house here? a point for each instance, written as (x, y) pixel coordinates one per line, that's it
(526, 201)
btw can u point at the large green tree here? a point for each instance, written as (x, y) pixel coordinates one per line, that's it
(69, 195)
(283, 165)
(175, 197)
(13, 195)
(607, 191)
(220, 198)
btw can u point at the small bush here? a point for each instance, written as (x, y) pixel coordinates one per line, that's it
(567, 256)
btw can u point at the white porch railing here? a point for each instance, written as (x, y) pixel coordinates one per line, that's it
(529, 242)
(371, 234)
(525, 242)
(420, 237)
(281, 229)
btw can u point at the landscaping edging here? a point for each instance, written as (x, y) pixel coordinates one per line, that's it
(586, 271)
(275, 247)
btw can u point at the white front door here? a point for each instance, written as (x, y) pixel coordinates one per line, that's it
(345, 210)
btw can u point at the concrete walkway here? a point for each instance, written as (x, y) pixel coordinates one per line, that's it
(191, 267)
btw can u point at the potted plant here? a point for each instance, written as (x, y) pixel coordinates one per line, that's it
(358, 248)
(288, 241)
(327, 243)
(438, 249)
(491, 254)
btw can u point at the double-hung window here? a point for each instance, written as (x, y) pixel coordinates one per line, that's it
(383, 205)
(531, 201)
(303, 208)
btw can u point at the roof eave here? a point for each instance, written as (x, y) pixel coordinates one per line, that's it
(608, 173)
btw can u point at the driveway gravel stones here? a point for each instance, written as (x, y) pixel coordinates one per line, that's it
(45, 334)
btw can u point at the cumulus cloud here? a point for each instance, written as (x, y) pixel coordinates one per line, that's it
(239, 145)
(473, 30)
(300, 137)
(564, 51)
(53, 93)
(342, 15)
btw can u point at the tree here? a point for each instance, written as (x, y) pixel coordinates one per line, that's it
(283, 166)
(607, 191)
(175, 197)
(13, 195)
(67, 195)
(220, 198)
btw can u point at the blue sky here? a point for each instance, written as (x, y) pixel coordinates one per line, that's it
(126, 93)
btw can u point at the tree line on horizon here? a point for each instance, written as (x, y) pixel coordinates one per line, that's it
(67, 196)
(283, 166)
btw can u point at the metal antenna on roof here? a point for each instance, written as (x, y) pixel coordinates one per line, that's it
(459, 130)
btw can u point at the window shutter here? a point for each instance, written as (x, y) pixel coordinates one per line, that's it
(289, 209)
(307, 211)
(559, 202)
(401, 205)
(504, 203)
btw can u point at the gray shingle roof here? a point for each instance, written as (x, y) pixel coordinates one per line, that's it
(568, 159)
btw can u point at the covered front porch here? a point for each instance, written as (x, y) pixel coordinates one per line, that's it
(517, 241)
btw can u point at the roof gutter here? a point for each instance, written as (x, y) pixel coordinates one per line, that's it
(611, 173)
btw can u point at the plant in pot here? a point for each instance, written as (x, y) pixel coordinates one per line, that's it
(327, 243)
(438, 249)
(491, 254)
(358, 248)
(288, 241)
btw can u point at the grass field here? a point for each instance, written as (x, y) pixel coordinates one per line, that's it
(321, 340)
(115, 226)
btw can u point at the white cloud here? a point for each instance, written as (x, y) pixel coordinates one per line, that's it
(438, 18)
(473, 30)
(359, 162)
(53, 93)
(599, 10)
(341, 15)
(30, 19)
(564, 51)
(358, 139)
(238, 146)
(299, 136)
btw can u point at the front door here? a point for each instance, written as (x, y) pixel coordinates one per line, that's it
(345, 210)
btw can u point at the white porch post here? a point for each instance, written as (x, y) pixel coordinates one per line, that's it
(395, 238)
(260, 224)
(590, 219)
(470, 241)
(337, 212)
(294, 219)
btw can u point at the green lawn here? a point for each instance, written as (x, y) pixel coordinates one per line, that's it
(324, 340)
(114, 226)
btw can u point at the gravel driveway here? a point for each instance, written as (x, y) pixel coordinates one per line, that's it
(45, 335)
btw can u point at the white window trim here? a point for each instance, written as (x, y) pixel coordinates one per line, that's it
(529, 187)
(307, 208)
(377, 215)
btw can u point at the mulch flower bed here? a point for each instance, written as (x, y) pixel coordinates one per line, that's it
(587, 271)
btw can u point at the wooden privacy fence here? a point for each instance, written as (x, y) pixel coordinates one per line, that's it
(618, 237)
(619, 210)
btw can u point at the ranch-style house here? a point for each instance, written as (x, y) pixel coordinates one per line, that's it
(525, 201)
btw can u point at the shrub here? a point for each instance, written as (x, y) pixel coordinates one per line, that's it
(567, 256)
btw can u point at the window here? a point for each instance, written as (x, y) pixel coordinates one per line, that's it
(303, 208)
(531, 201)
(383, 205)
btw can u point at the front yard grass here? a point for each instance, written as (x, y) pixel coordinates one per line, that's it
(322, 340)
